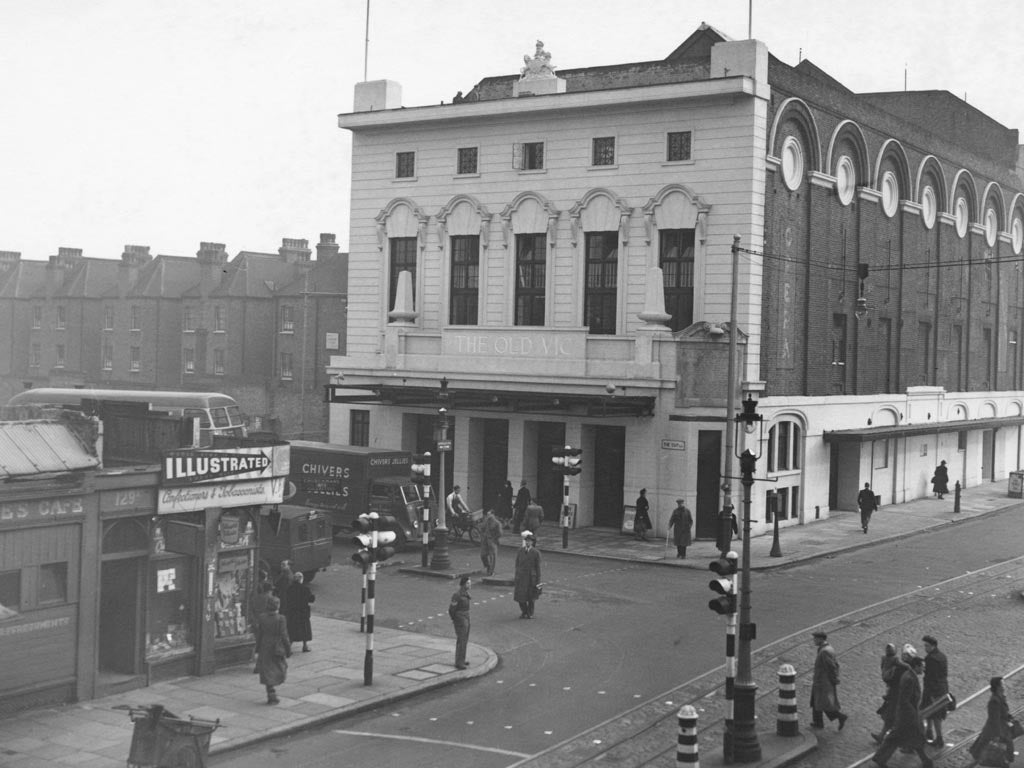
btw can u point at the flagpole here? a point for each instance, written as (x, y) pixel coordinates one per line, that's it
(366, 46)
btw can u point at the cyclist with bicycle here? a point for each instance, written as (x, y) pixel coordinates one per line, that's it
(455, 505)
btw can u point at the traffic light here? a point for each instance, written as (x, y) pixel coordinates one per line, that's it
(374, 543)
(568, 460)
(725, 585)
(421, 468)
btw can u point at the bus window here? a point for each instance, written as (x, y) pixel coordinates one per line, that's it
(235, 416)
(220, 417)
(199, 413)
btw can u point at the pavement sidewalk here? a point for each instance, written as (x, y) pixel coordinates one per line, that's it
(327, 684)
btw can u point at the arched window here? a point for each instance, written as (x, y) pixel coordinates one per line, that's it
(784, 451)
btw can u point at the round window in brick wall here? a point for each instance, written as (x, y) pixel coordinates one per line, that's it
(1017, 234)
(792, 163)
(928, 206)
(961, 216)
(846, 179)
(890, 193)
(991, 226)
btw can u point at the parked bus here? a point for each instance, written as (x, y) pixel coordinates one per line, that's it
(218, 414)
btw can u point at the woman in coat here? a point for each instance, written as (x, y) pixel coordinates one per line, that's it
(504, 510)
(532, 519)
(527, 575)
(642, 520)
(940, 480)
(272, 649)
(297, 611)
(907, 730)
(997, 725)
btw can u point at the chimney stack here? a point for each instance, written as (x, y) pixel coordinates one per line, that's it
(59, 267)
(9, 260)
(294, 251)
(212, 260)
(327, 248)
(133, 257)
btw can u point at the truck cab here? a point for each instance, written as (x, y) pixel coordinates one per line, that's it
(402, 499)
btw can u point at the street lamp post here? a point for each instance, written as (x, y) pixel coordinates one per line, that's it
(441, 561)
(746, 748)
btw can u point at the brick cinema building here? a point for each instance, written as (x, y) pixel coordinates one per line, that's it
(558, 247)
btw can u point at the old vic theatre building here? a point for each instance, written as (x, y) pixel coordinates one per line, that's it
(557, 246)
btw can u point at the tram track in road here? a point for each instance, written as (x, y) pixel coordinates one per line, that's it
(646, 735)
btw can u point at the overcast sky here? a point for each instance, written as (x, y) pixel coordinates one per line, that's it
(169, 122)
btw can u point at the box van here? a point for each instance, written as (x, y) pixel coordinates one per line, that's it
(299, 534)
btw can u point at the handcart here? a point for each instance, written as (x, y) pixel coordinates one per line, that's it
(163, 740)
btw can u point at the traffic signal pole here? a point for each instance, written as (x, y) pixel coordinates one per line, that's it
(746, 748)
(371, 590)
(565, 512)
(726, 517)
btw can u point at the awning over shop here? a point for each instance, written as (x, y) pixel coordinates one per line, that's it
(867, 434)
(505, 400)
(40, 447)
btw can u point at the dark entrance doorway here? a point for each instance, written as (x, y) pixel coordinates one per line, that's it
(119, 616)
(609, 475)
(550, 437)
(709, 481)
(495, 469)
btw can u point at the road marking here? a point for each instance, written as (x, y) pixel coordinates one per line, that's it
(439, 742)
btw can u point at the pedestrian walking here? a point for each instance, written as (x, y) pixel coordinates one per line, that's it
(892, 667)
(504, 511)
(934, 687)
(907, 731)
(281, 584)
(642, 519)
(532, 518)
(297, 611)
(523, 500)
(490, 534)
(527, 575)
(867, 504)
(824, 697)
(681, 523)
(458, 610)
(273, 647)
(997, 726)
(940, 480)
(258, 603)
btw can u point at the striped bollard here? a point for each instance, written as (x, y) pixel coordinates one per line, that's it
(686, 745)
(787, 723)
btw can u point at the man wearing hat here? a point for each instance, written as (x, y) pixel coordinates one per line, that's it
(527, 575)
(681, 523)
(935, 686)
(907, 731)
(824, 698)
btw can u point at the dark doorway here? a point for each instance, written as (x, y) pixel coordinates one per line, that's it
(609, 475)
(495, 470)
(550, 437)
(833, 477)
(119, 616)
(709, 481)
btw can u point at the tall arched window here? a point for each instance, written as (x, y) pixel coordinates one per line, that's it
(784, 452)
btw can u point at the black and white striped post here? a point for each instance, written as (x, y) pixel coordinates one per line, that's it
(786, 719)
(362, 601)
(687, 748)
(730, 680)
(371, 590)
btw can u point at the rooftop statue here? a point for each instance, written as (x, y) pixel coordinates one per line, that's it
(539, 66)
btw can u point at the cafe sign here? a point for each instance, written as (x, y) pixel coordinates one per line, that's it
(38, 510)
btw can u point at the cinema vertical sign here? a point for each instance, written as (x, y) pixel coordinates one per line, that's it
(195, 479)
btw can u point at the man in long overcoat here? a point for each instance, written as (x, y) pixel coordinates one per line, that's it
(523, 500)
(681, 523)
(490, 534)
(824, 698)
(527, 575)
(935, 687)
(458, 611)
(273, 647)
(907, 729)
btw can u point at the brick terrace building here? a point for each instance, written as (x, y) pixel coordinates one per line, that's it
(568, 243)
(169, 322)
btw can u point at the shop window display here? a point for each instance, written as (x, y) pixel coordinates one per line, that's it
(169, 626)
(233, 579)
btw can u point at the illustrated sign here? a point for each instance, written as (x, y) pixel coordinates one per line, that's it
(240, 494)
(191, 466)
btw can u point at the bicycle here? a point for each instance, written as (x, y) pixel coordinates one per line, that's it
(463, 524)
